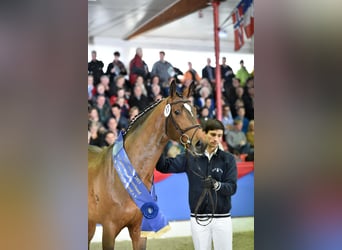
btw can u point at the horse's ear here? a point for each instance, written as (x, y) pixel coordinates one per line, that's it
(173, 88)
(189, 90)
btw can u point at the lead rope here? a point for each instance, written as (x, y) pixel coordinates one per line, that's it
(205, 192)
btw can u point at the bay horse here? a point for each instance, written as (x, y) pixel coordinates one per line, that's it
(109, 204)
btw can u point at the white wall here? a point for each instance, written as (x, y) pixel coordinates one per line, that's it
(177, 52)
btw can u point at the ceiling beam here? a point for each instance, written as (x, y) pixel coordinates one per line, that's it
(171, 13)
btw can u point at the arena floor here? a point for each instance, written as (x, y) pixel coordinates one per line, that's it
(182, 228)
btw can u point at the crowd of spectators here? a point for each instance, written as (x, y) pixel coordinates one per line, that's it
(118, 94)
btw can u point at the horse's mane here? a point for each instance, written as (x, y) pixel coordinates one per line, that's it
(95, 149)
(136, 121)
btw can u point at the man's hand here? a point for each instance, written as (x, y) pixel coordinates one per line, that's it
(209, 182)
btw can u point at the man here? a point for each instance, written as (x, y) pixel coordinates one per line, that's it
(236, 139)
(109, 138)
(102, 108)
(227, 74)
(227, 118)
(137, 67)
(242, 74)
(208, 72)
(122, 122)
(226, 71)
(212, 181)
(191, 75)
(138, 98)
(163, 69)
(95, 68)
(116, 68)
(241, 116)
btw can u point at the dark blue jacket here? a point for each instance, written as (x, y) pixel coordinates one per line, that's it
(222, 167)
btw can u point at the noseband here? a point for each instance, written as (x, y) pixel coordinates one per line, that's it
(184, 138)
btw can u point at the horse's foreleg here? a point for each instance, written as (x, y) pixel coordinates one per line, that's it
(108, 237)
(142, 243)
(91, 231)
(137, 242)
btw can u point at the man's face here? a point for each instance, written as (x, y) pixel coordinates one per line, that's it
(112, 124)
(214, 137)
(116, 111)
(226, 110)
(90, 80)
(137, 91)
(239, 126)
(101, 100)
(110, 138)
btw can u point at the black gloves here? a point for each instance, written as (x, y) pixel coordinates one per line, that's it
(209, 183)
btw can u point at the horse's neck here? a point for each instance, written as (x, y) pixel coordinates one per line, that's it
(145, 144)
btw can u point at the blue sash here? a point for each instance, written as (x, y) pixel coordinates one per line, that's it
(154, 222)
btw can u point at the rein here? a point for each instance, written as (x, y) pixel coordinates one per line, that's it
(205, 192)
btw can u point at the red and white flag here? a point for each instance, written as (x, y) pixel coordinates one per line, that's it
(238, 26)
(248, 17)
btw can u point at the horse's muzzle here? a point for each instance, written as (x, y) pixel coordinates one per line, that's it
(200, 147)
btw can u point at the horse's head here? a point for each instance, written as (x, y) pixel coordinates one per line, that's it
(181, 120)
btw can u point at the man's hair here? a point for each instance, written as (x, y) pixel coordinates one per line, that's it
(237, 121)
(116, 53)
(213, 124)
(108, 132)
(116, 105)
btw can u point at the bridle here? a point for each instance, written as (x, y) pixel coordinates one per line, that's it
(184, 138)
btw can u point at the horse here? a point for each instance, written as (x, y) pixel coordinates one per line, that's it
(109, 204)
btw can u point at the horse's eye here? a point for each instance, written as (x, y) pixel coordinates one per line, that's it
(177, 111)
